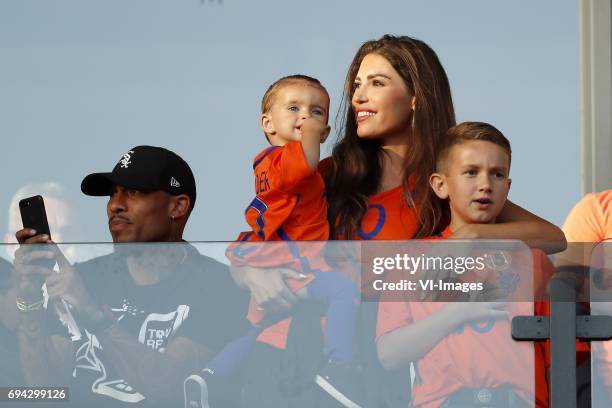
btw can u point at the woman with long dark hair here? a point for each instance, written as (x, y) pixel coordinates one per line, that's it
(398, 105)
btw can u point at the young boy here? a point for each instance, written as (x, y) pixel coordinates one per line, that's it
(290, 206)
(462, 352)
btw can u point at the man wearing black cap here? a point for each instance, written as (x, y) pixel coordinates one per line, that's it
(144, 317)
(152, 192)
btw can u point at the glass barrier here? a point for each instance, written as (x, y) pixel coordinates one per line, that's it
(600, 265)
(362, 323)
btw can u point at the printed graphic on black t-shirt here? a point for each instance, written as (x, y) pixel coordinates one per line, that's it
(156, 330)
(198, 301)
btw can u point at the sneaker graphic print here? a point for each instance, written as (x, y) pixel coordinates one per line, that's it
(155, 331)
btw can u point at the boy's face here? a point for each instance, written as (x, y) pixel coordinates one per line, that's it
(293, 103)
(474, 178)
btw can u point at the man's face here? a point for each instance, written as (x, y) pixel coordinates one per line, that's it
(138, 216)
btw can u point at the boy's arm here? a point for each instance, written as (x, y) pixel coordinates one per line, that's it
(515, 222)
(414, 340)
(314, 132)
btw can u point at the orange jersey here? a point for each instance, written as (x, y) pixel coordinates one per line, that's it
(452, 363)
(591, 219)
(388, 216)
(289, 206)
(492, 358)
(290, 198)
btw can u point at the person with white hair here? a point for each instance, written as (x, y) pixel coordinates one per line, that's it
(146, 315)
(60, 215)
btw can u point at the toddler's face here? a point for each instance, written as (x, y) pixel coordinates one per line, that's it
(476, 182)
(292, 105)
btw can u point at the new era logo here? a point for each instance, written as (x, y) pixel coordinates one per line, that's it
(174, 183)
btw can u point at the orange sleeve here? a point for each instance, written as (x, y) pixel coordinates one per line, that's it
(591, 219)
(391, 316)
(543, 270)
(288, 167)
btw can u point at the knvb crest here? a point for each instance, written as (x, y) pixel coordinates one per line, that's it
(125, 161)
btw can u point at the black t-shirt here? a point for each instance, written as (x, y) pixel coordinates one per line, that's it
(9, 353)
(198, 301)
(6, 270)
(10, 374)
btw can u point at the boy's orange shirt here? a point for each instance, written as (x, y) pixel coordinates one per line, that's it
(388, 218)
(448, 367)
(289, 206)
(290, 198)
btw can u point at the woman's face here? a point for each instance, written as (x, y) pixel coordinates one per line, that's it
(382, 103)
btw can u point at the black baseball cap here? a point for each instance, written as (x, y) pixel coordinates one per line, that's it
(146, 168)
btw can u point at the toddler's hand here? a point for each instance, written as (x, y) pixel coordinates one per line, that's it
(315, 127)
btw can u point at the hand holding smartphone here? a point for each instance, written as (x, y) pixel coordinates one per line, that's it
(33, 215)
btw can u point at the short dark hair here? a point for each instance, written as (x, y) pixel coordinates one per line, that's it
(467, 131)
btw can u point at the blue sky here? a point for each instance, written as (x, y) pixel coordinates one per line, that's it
(83, 81)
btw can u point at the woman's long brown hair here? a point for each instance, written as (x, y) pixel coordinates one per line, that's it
(356, 170)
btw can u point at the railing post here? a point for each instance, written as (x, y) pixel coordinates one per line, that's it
(563, 343)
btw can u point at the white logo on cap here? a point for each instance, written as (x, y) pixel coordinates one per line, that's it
(125, 162)
(174, 182)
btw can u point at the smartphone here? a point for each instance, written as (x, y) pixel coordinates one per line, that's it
(33, 215)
